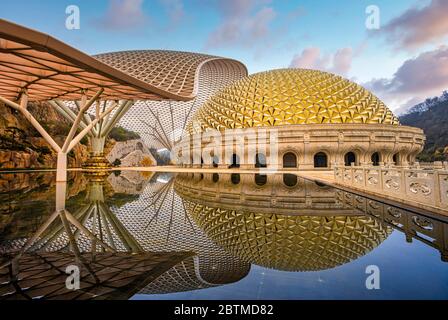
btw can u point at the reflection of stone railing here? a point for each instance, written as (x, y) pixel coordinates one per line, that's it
(430, 231)
(425, 186)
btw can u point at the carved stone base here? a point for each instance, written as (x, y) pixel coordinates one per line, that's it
(96, 161)
(97, 167)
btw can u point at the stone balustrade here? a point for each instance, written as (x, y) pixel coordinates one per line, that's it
(428, 186)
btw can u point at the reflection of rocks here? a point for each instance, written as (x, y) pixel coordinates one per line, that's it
(130, 182)
(315, 231)
(26, 200)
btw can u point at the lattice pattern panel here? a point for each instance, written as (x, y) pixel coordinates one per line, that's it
(102, 276)
(160, 123)
(173, 71)
(291, 96)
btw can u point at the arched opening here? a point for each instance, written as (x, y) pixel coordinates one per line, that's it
(215, 177)
(215, 161)
(320, 160)
(290, 180)
(375, 158)
(349, 158)
(261, 179)
(396, 159)
(235, 178)
(235, 161)
(260, 160)
(289, 160)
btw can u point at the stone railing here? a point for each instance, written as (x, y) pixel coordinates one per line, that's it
(426, 186)
(432, 232)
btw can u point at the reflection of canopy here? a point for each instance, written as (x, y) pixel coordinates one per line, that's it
(102, 276)
(48, 68)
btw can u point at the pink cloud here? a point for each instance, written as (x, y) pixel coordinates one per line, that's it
(123, 15)
(418, 26)
(243, 23)
(416, 79)
(312, 58)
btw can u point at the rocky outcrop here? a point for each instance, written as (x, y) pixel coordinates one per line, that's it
(130, 153)
(21, 146)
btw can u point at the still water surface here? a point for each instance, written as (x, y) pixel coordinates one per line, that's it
(139, 235)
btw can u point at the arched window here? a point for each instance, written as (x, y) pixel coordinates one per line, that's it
(375, 158)
(290, 180)
(320, 160)
(235, 161)
(260, 160)
(261, 179)
(215, 177)
(215, 161)
(235, 178)
(396, 159)
(349, 158)
(289, 160)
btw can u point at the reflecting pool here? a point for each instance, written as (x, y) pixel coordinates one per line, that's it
(141, 235)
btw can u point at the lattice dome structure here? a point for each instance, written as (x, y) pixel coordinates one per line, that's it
(193, 76)
(291, 96)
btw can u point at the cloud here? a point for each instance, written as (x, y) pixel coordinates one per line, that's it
(416, 79)
(418, 26)
(123, 15)
(340, 62)
(175, 10)
(243, 23)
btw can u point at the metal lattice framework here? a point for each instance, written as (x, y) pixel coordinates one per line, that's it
(199, 76)
(48, 68)
(290, 96)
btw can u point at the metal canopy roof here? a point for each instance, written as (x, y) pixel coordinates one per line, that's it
(48, 68)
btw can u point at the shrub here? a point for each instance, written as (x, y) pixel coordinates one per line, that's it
(122, 134)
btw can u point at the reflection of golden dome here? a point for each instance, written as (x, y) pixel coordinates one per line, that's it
(291, 96)
(292, 243)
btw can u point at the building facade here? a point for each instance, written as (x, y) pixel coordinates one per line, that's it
(297, 118)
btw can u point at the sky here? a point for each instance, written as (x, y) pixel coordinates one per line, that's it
(403, 59)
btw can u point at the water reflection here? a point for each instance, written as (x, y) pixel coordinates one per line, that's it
(292, 227)
(151, 233)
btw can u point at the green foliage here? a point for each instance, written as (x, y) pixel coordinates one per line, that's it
(116, 163)
(434, 123)
(122, 134)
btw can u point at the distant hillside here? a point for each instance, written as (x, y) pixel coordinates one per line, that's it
(432, 117)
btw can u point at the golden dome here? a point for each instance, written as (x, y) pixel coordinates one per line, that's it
(290, 96)
(291, 243)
